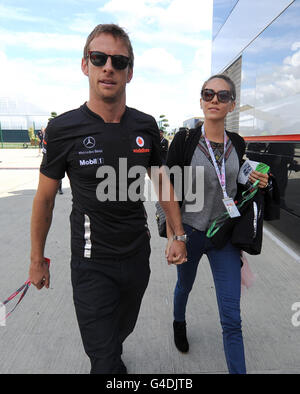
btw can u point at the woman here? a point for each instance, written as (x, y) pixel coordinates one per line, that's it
(205, 146)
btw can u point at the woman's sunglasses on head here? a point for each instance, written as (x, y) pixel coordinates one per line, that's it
(98, 59)
(224, 96)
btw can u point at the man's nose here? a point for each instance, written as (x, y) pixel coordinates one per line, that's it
(108, 67)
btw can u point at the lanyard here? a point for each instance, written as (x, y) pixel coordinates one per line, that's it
(25, 288)
(221, 175)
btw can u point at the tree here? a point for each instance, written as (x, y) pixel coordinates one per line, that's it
(32, 136)
(163, 122)
(53, 115)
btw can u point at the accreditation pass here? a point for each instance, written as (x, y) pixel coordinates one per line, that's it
(231, 207)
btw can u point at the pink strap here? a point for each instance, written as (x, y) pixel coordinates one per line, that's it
(25, 286)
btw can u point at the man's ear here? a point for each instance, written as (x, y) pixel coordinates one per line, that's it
(84, 67)
(201, 103)
(130, 74)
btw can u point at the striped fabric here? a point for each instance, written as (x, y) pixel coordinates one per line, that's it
(218, 149)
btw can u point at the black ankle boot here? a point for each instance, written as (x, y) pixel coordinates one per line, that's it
(180, 339)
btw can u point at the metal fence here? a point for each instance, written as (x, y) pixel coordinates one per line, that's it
(16, 139)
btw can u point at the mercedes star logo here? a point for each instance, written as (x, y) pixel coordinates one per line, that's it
(89, 142)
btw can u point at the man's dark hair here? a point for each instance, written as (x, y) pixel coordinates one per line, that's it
(226, 79)
(117, 32)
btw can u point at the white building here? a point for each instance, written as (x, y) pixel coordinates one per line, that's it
(16, 114)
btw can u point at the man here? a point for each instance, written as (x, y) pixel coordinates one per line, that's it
(109, 238)
(41, 134)
(164, 146)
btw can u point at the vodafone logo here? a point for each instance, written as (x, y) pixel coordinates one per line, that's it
(140, 141)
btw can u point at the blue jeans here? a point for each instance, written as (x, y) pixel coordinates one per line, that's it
(225, 265)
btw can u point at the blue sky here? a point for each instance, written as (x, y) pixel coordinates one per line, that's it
(41, 45)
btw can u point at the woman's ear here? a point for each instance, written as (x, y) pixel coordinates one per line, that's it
(232, 106)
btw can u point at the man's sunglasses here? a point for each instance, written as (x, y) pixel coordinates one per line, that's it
(99, 59)
(224, 96)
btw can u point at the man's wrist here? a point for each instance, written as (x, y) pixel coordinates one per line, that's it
(37, 259)
(178, 230)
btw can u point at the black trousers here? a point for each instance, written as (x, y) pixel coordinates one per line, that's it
(107, 298)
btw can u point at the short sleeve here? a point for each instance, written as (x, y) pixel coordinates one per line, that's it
(55, 151)
(155, 159)
(175, 153)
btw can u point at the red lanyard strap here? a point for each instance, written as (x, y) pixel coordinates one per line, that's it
(25, 288)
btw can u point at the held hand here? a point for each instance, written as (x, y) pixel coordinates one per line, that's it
(39, 274)
(177, 253)
(263, 178)
(169, 243)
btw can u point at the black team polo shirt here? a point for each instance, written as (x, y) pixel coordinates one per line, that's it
(78, 143)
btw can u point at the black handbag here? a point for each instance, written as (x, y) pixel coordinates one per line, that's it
(272, 200)
(245, 231)
(160, 214)
(161, 220)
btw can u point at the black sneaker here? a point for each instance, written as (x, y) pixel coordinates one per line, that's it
(180, 338)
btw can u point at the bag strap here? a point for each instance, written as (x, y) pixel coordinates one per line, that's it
(187, 134)
(189, 145)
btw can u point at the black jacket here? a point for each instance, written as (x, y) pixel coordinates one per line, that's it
(245, 231)
(185, 142)
(164, 146)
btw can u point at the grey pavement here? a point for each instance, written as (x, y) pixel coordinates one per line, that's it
(42, 335)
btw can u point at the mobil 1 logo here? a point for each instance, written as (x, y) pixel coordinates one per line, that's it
(91, 162)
